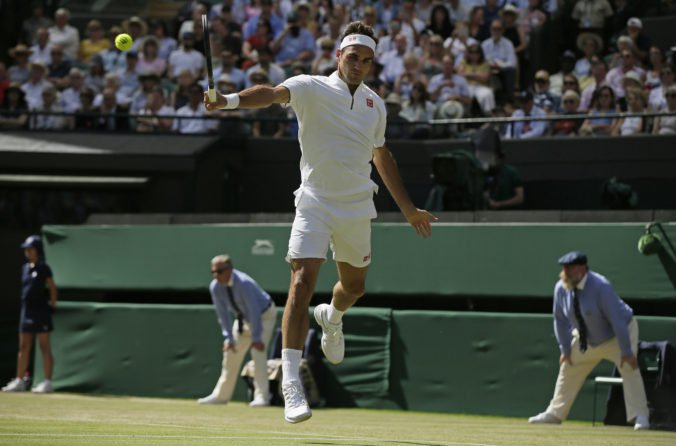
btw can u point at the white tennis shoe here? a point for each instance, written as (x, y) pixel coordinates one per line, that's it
(43, 387)
(260, 402)
(642, 423)
(333, 342)
(296, 408)
(211, 400)
(15, 385)
(544, 418)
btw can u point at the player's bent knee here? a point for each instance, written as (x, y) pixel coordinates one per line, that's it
(354, 289)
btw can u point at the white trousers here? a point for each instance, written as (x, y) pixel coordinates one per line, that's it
(572, 377)
(484, 96)
(232, 360)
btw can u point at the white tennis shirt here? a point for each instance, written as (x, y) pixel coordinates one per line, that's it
(337, 132)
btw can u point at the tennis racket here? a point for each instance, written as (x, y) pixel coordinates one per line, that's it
(207, 53)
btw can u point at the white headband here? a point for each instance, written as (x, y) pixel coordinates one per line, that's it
(358, 39)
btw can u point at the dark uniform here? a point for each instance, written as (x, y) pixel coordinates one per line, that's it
(36, 313)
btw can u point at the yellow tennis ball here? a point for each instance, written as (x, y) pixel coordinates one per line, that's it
(123, 42)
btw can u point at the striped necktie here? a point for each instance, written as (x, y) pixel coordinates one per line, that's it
(582, 327)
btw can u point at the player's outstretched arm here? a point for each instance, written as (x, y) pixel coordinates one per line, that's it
(258, 96)
(387, 169)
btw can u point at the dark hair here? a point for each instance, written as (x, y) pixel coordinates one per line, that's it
(482, 57)
(358, 27)
(424, 95)
(21, 102)
(596, 96)
(446, 28)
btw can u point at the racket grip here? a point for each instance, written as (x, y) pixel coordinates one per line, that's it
(212, 94)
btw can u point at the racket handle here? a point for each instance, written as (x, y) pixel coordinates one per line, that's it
(212, 94)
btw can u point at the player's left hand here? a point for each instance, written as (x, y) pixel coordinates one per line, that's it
(631, 360)
(420, 220)
(258, 346)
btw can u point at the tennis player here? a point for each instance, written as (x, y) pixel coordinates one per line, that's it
(341, 129)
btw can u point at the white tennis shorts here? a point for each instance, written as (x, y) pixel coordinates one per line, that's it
(315, 228)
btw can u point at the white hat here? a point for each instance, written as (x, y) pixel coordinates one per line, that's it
(450, 110)
(635, 22)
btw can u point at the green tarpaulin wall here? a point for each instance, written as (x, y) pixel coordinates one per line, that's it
(477, 259)
(487, 363)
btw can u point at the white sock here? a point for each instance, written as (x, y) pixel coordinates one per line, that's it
(48, 381)
(291, 364)
(334, 314)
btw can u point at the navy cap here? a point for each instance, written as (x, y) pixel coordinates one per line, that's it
(573, 258)
(33, 241)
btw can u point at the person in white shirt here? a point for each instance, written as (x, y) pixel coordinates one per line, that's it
(449, 87)
(276, 74)
(36, 84)
(341, 130)
(500, 54)
(186, 58)
(527, 129)
(65, 35)
(48, 104)
(194, 109)
(41, 51)
(70, 97)
(393, 61)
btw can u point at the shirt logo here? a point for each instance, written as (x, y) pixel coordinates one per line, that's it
(366, 257)
(369, 103)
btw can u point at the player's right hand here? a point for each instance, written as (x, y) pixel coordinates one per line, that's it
(228, 346)
(211, 106)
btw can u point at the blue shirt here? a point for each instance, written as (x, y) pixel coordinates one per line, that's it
(33, 284)
(293, 46)
(604, 313)
(249, 297)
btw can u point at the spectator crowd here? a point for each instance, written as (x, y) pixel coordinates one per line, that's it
(435, 59)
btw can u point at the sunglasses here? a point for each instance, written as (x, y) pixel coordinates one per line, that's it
(569, 101)
(219, 270)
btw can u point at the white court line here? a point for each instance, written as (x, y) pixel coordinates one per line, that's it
(228, 437)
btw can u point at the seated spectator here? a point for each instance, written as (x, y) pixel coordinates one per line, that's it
(276, 74)
(294, 43)
(261, 38)
(501, 57)
(41, 51)
(432, 59)
(388, 10)
(503, 184)
(194, 109)
(186, 58)
(570, 83)
(95, 76)
(387, 42)
(227, 125)
(32, 24)
(325, 62)
(527, 109)
(113, 59)
(194, 26)
(515, 34)
(591, 46)
(599, 70)
(94, 43)
(112, 82)
(179, 97)
(666, 125)
(137, 28)
(476, 27)
(266, 13)
(270, 123)
(419, 110)
(568, 60)
(64, 35)
(457, 11)
(59, 68)
(542, 95)
(638, 37)
(448, 87)
(615, 76)
(657, 98)
(70, 97)
(476, 70)
(369, 17)
(14, 109)
(533, 17)
(166, 43)
(111, 115)
(4, 81)
(412, 74)
(228, 67)
(591, 15)
(149, 58)
(440, 21)
(653, 76)
(624, 43)
(48, 104)
(149, 82)
(602, 105)
(393, 61)
(36, 85)
(566, 127)
(86, 114)
(411, 25)
(129, 81)
(630, 80)
(227, 31)
(154, 114)
(636, 104)
(19, 71)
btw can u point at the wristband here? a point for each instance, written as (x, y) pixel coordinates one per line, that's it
(232, 101)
